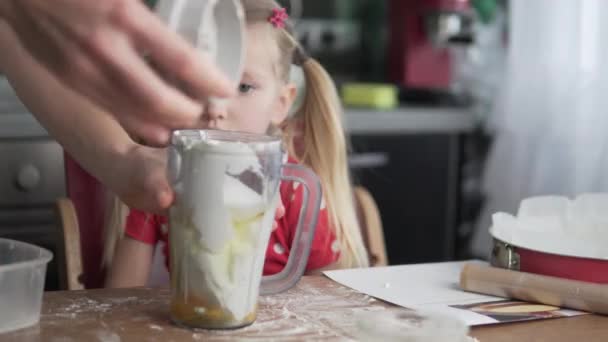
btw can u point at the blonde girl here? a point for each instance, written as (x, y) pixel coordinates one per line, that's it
(315, 138)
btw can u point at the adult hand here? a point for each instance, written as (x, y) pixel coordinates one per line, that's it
(97, 47)
(146, 185)
(90, 135)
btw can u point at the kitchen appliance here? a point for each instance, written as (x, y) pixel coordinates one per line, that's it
(423, 34)
(31, 178)
(227, 190)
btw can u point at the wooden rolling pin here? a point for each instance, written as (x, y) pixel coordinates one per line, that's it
(535, 288)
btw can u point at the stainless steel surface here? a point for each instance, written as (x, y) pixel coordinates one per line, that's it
(368, 160)
(409, 120)
(32, 177)
(504, 255)
(15, 119)
(9, 103)
(447, 28)
(32, 169)
(32, 172)
(25, 216)
(21, 126)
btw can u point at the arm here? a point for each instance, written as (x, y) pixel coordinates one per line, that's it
(95, 48)
(90, 135)
(131, 264)
(75, 122)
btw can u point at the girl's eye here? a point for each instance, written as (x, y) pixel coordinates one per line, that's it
(245, 88)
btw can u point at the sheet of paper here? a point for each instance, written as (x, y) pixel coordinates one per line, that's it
(435, 287)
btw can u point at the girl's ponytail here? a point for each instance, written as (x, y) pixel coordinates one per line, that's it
(324, 149)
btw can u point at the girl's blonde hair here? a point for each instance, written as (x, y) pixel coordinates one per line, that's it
(324, 142)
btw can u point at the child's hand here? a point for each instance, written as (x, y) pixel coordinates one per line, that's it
(279, 214)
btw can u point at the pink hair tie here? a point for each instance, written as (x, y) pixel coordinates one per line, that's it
(278, 17)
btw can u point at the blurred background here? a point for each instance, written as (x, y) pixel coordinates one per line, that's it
(456, 109)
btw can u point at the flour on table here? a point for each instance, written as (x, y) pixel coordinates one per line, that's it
(107, 336)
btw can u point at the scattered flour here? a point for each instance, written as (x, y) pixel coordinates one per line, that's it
(156, 327)
(107, 336)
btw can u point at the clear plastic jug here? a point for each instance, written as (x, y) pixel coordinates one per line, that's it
(227, 190)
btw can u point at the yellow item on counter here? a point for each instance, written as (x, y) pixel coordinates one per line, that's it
(370, 95)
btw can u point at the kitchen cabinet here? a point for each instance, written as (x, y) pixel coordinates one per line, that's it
(411, 160)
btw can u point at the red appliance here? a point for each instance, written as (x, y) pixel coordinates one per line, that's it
(421, 33)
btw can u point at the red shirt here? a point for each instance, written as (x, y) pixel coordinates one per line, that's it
(151, 229)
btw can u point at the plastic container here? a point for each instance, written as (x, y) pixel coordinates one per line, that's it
(22, 274)
(227, 189)
(411, 326)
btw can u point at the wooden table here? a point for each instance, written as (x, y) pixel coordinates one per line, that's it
(316, 309)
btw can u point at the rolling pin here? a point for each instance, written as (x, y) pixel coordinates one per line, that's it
(535, 288)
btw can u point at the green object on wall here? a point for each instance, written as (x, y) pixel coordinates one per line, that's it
(370, 95)
(486, 9)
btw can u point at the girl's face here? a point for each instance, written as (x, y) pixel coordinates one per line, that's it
(263, 99)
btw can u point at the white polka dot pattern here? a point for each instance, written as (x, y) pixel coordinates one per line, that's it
(335, 246)
(278, 248)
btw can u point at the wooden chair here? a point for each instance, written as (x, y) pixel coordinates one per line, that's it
(69, 253)
(371, 227)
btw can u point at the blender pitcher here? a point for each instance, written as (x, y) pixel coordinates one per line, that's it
(227, 190)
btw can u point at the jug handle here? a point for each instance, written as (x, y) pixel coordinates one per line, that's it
(174, 165)
(307, 223)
